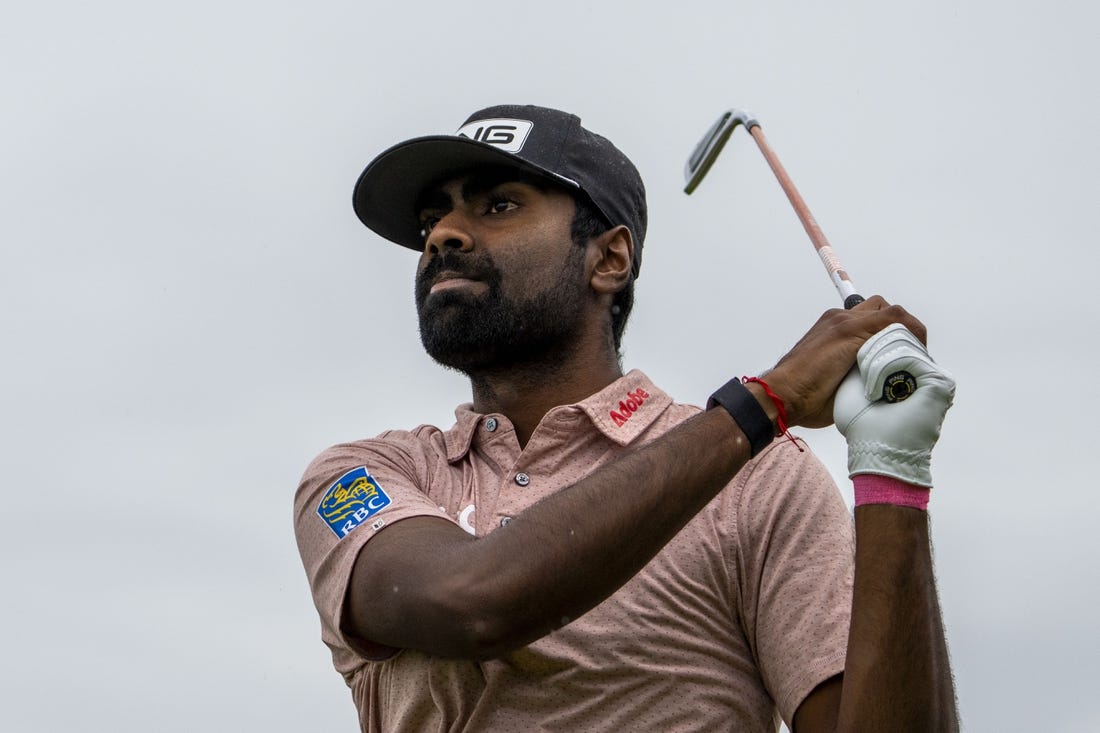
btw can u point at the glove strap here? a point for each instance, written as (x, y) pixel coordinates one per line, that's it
(871, 488)
(742, 406)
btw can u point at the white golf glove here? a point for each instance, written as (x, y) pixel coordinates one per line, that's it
(893, 438)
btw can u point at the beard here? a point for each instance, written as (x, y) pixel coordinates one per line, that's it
(488, 331)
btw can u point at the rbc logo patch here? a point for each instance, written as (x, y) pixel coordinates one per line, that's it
(354, 498)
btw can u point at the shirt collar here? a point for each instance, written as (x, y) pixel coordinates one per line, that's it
(458, 439)
(622, 411)
(627, 407)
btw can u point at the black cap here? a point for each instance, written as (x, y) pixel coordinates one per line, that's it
(540, 141)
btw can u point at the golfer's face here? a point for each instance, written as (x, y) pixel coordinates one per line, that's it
(488, 225)
(500, 279)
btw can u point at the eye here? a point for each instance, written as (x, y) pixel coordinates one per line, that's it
(500, 205)
(427, 224)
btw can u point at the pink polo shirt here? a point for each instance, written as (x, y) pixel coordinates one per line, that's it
(730, 626)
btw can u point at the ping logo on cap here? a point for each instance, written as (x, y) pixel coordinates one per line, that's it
(351, 500)
(508, 135)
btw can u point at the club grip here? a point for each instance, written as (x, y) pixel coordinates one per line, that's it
(899, 385)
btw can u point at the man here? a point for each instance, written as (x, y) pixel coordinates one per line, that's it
(579, 552)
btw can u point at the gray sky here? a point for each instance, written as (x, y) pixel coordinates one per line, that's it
(191, 311)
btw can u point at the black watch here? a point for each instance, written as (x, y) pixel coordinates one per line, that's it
(743, 407)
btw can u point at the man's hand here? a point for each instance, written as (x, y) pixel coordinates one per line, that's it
(808, 376)
(893, 439)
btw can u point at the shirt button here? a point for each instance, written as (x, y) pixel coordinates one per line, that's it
(491, 424)
(523, 479)
(504, 522)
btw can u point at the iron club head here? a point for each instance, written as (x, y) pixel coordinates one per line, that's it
(706, 152)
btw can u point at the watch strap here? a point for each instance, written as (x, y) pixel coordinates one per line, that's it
(742, 406)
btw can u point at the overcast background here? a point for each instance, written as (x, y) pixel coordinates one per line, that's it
(190, 310)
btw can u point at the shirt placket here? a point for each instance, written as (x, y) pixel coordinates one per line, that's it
(498, 444)
(535, 472)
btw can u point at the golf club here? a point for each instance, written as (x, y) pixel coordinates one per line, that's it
(898, 385)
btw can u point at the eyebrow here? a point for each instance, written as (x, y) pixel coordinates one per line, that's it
(477, 183)
(433, 198)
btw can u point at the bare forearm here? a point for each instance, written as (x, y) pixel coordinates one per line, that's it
(897, 676)
(562, 556)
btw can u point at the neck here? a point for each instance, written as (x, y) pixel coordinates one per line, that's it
(525, 393)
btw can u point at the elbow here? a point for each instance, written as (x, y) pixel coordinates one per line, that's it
(459, 617)
(482, 638)
(482, 620)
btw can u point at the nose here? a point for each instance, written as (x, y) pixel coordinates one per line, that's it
(452, 231)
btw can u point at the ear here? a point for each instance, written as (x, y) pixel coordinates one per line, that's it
(611, 258)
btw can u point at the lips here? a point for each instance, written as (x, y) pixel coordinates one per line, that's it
(455, 275)
(450, 280)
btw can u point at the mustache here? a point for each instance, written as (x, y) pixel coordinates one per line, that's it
(475, 267)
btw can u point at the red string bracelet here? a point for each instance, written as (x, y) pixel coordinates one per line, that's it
(783, 429)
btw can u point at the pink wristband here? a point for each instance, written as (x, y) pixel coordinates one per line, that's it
(873, 489)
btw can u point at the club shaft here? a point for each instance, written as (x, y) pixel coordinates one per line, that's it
(825, 251)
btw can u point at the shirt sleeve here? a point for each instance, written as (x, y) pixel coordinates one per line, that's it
(796, 559)
(347, 495)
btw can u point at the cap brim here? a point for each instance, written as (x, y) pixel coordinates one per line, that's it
(386, 193)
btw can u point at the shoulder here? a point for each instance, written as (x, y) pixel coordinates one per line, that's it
(787, 471)
(786, 461)
(408, 454)
(787, 493)
(348, 484)
(391, 445)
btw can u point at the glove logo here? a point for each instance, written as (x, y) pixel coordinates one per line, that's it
(351, 500)
(898, 386)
